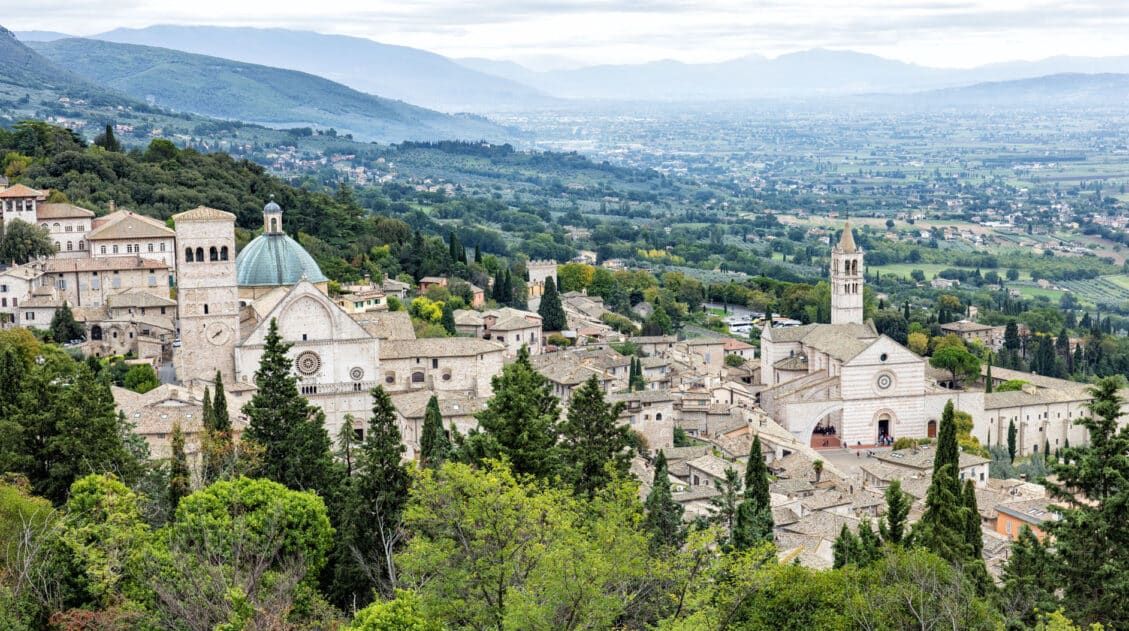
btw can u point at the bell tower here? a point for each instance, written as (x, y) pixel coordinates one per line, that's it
(207, 296)
(847, 280)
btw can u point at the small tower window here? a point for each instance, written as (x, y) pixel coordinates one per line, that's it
(273, 224)
(187, 255)
(223, 253)
(213, 254)
(200, 255)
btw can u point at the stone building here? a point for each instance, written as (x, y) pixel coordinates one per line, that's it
(539, 272)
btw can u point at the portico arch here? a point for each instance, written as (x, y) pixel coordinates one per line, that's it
(884, 425)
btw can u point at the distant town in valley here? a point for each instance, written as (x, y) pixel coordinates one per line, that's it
(307, 331)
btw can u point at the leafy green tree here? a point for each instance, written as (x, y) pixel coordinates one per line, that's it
(663, 518)
(492, 551)
(893, 528)
(23, 242)
(551, 310)
(290, 431)
(241, 554)
(434, 446)
(520, 421)
(595, 447)
(64, 328)
(402, 613)
(960, 363)
(180, 476)
(141, 378)
(1092, 487)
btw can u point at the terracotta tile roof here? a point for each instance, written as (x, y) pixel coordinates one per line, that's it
(130, 226)
(110, 263)
(203, 213)
(61, 211)
(437, 347)
(19, 191)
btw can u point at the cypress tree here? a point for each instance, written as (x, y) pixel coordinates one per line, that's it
(63, 327)
(948, 453)
(663, 516)
(448, 319)
(477, 254)
(754, 522)
(756, 477)
(893, 528)
(219, 405)
(1028, 578)
(988, 376)
(972, 533)
(346, 444)
(498, 292)
(180, 477)
(434, 446)
(551, 310)
(942, 528)
(290, 431)
(508, 288)
(207, 415)
(870, 546)
(1011, 436)
(845, 548)
(592, 438)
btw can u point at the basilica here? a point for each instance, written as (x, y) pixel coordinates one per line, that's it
(226, 303)
(845, 384)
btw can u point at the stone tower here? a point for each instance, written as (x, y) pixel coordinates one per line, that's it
(846, 280)
(207, 296)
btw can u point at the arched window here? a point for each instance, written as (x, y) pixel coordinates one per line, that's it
(70, 246)
(200, 255)
(223, 253)
(658, 416)
(188, 255)
(273, 224)
(96, 333)
(213, 254)
(82, 245)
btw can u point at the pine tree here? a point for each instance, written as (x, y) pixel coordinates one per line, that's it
(1092, 490)
(893, 528)
(1011, 436)
(180, 477)
(290, 431)
(434, 446)
(219, 405)
(520, 421)
(1028, 578)
(551, 310)
(593, 440)
(663, 516)
(973, 536)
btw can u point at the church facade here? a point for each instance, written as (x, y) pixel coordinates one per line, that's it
(227, 302)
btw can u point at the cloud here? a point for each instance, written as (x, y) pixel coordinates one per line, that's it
(938, 32)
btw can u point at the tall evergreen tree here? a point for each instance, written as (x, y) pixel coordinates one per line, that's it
(520, 421)
(1092, 488)
(594, 443)
(346, 443)
(448, 319)
(290, 431)
(219, 405)
(662, 515)
(207, 414)
(754, 523)
(973, 535)
(1028, 578)
(477, 254)
(948, 452)
(1011, 336)
(64, 328)
(1011, 436)
(551, 310)
(508, 288)
(381, 491)
(845, 549)
(893, 528)
(434, 446)
(943, 524)
(107, 140)
(498, 292)
(988, 376)
(180, 476)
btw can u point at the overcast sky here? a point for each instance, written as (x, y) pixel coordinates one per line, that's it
(948, 33)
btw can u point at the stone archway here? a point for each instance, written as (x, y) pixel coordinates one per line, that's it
(931, 428)
(884, 426)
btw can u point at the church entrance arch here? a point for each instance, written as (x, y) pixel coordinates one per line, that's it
(884, 427)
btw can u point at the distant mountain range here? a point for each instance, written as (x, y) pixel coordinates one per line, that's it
(273, 97)
(810, 73)
(395, 72)
(23, 68)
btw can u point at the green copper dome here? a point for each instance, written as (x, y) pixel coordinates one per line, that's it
(275, 259)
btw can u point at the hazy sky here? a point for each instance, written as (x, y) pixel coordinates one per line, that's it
(545, 32)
